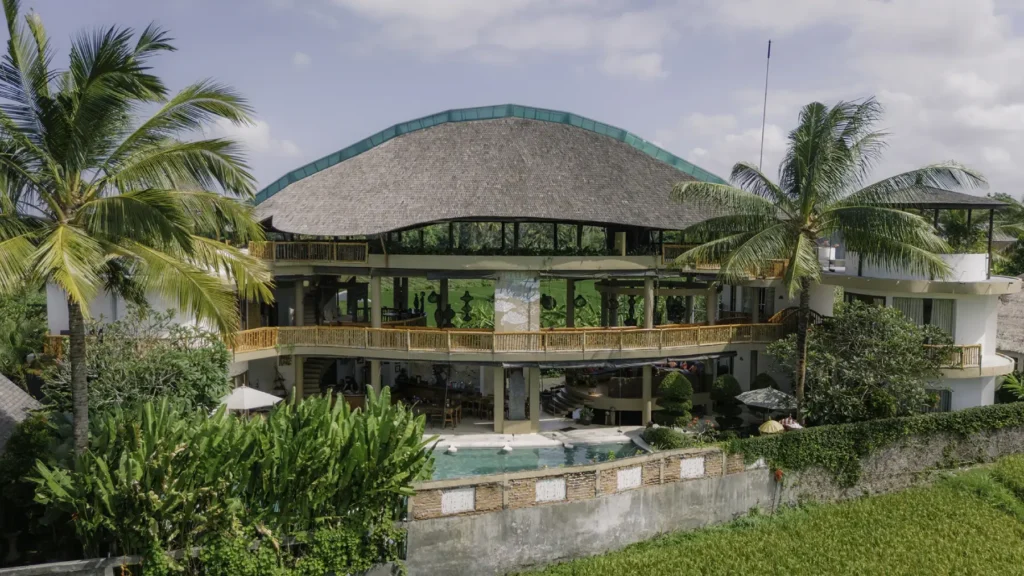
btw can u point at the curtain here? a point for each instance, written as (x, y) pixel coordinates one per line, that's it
(942, 315)
(912, 308)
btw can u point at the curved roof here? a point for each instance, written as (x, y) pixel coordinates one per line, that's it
(497, 162)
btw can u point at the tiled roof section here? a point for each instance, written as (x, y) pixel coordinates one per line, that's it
(504, 168)
(15, 404)
(928, 197)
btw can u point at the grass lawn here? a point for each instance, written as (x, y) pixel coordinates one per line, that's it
(971, 523)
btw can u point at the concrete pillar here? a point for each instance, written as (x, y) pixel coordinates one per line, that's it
(300, 389)
(648, 402)
(690, 312)
(405, 293)
(613, 310)
(300, 293)
(396, 293)
(375, 318)
(499, 399)
(648, 305)
(570, 303)
(375, 375)
(533, 379)
(711, 304)
(516, 302)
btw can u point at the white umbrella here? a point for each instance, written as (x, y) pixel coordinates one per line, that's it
(245, 398)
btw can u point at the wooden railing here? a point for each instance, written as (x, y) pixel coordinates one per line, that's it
(434, 340)
(343, 252)
(669, 252)
(962, 356)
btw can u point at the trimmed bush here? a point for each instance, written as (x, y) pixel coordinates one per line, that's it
(723, 394)
(764, 380)
(664, 438)
(675, 397)
(839, 448)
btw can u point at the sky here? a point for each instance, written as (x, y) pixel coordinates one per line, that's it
(687, 75)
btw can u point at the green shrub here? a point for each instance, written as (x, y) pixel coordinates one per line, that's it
(675, 397)
(305, 466)
(839, 448)
(764, 380)
(664, 438)
(723, 393)
(146, 357)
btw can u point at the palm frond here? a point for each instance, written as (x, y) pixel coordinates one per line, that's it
(757, 252)
(196, 165)
(900, 256)
(216, 215)
(69, 258)
(750, 178)
(802, 263)
(251, 276)
(16, 254)
(150, 216)
(858, 225)
(900, 188)
(722, 199)
(201, 293)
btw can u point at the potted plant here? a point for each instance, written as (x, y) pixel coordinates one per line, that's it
(586, 415)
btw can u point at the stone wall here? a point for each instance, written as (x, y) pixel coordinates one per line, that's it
(504, 523)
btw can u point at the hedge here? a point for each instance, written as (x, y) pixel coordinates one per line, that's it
(839, 448)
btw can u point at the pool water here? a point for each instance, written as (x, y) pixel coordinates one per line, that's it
(481, 461)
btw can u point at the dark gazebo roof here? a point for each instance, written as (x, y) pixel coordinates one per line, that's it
(929, 198)
(495, 163)
(15, 405)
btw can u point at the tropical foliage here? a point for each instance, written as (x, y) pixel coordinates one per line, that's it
(94, 197)
(665, 438)
(144, 357)
(821, 193)
(867, 362)
(306, 467)
(22, 328)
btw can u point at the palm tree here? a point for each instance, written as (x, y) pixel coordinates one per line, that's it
(821, 193)
(91, 198)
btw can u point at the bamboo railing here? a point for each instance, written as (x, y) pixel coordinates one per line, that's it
(480, 341)
(343, 252)
(669, 252)
(962, 356)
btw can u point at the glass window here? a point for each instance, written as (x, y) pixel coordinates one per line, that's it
(865, 298)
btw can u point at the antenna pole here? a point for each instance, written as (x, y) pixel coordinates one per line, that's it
(764, 112)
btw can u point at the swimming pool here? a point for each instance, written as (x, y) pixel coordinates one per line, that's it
(481, 461)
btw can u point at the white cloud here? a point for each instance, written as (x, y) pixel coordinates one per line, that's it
(645, 66)
(256, 138)
(621, 41)
(301, 60)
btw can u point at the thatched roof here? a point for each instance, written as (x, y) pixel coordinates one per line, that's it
(927, 197)
(1011, 322)
(513, 167)
(15, 405)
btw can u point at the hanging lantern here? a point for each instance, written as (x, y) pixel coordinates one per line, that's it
(580, 301)
(548, 302)
(433, 298)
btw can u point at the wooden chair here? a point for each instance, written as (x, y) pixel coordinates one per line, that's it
(450, 416)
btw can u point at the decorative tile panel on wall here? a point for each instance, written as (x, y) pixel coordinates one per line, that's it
(458, 500)
(551, 490)
(691, 467)
(629, 478)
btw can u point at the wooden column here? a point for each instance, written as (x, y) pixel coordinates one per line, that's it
(648, 402)
(300, 389)
(755, 303)
(533, 397)
(375, 319)
(690, 312)
(648, 306)
(375, 375)
(711, 304)
(570, 303)
(442, 300)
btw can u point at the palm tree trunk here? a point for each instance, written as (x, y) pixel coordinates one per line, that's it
(802, 325)
(79, 382)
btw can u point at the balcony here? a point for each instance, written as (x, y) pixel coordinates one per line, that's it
(334, 252)
(669, 253)
(563, 344)
(963, 268)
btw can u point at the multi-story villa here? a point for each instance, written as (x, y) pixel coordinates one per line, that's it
(457, 257)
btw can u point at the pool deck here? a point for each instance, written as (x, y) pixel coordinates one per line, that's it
(473, 433)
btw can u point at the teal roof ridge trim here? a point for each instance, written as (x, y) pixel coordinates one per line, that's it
(487, 113)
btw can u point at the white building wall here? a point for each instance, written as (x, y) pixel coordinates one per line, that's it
(104, 308)
(970, 392)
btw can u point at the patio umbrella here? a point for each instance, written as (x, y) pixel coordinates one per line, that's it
(245, 399)
(768, 399)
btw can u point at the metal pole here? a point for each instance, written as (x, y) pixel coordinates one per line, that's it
(764, 112)
(991, 224)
